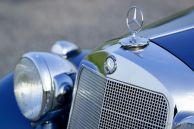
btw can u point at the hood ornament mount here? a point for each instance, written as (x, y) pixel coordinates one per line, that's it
(134, 22)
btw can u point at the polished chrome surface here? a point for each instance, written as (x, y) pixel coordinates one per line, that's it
(63, 85)
(51, 68)
(62, 48)
(127, 106)
(134, 19)
(110, 64)
(134, 43)
(134, 23)
(88, 98)
(115, 104)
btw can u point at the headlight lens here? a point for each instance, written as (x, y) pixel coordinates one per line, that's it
(28, 89)
(41, 82)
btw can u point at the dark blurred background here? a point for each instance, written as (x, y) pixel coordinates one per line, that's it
(34, 25)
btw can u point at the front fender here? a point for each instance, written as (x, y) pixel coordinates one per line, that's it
(10, 115)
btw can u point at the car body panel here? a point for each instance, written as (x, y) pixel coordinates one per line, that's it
(173, 73)
(168, 25)
(11, 117)
(78, 58)
(180, 44)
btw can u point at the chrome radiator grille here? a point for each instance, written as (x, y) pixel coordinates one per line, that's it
(128, 107)
(109, 104)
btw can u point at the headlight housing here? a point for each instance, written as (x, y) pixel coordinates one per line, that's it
(39, 79)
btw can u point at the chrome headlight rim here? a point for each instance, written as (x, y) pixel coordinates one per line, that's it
(54, 82)
(46, 81)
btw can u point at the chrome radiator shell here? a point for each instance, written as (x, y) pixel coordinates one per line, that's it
(106, 103)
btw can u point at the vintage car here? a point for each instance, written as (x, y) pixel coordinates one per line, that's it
(143, 80)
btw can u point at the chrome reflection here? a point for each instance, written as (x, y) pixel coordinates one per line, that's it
(41, 83)
(64, 48)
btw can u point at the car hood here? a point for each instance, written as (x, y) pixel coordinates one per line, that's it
(161, 59)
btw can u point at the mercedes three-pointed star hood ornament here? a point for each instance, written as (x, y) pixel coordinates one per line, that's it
(134, 22)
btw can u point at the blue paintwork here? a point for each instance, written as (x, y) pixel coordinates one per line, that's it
(10, 116)
(76, 60)
(180, 45)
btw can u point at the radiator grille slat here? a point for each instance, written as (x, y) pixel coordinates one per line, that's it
(88, 101)
(110, 104)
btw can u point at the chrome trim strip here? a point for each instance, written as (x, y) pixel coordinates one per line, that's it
(172, 32)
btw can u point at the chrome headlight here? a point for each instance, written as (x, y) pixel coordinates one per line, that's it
(39, 80)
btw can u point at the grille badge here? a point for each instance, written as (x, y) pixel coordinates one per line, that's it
(110, 65)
